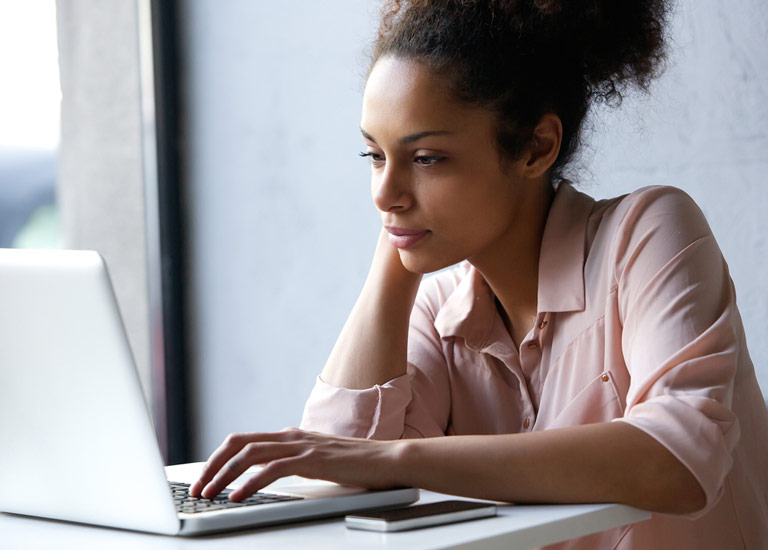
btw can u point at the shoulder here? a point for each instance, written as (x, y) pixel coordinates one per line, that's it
(659, 205)
(662, 216)
(654, 229)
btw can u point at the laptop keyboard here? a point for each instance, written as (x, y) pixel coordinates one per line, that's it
(190, 505)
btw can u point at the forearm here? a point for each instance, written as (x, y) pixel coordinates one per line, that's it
(372, 347)
(609, 462)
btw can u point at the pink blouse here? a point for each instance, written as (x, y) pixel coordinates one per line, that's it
(637, 322)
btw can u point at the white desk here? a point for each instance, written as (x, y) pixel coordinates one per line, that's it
(515, 528)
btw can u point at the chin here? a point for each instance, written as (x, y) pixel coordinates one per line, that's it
(423, 263)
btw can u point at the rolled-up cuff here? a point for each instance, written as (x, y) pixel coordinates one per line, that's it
(699, 432)
(373, 413)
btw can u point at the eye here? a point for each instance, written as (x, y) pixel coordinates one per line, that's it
(376, 158)
(427, 160)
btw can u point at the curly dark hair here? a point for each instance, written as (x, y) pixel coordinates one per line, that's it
(525, 58)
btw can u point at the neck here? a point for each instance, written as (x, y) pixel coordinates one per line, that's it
(511, 269)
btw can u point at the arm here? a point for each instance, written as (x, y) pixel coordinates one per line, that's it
(680, 336)
(413, 405)
(608, 462)
(373, 343)
(364, 390)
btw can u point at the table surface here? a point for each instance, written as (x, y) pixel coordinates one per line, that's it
(515, 526)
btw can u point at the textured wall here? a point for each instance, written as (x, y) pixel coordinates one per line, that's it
(282, 225)
(101, 185)
(704, 128)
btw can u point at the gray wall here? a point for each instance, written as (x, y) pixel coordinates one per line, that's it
(282, 227)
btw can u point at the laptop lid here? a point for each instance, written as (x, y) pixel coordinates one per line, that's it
(73, 420)
(76, 438)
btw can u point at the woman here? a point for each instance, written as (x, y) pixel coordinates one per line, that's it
(581, 351)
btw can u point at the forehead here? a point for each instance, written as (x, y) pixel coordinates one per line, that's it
(402, 97)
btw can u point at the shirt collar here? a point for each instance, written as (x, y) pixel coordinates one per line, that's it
(470, 311)
(563, 251)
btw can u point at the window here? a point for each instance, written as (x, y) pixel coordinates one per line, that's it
(30, 101)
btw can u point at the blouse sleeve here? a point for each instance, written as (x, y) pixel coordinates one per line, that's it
(680, 337)
(416, 404)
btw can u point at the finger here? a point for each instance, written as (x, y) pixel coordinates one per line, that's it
(292, 465)
(252, 453)
(230, 447)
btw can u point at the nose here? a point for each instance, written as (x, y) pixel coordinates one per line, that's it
(391, 190)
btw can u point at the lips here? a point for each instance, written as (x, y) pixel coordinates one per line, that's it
(401, 237)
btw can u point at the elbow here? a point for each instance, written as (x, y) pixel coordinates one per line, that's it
(688, 501)
(685, 495)
(678, 492)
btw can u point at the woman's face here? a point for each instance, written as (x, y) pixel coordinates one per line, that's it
(436, 175)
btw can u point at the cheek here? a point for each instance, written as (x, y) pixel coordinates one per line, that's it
(473, 210)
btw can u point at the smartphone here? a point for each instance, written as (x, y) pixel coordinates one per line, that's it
(421, 515)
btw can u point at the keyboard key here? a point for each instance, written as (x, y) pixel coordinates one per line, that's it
(191, 505)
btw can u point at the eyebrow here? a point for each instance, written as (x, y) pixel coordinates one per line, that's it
(412, 137)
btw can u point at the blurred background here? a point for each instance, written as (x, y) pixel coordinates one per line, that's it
(209, 151)
(30, 102)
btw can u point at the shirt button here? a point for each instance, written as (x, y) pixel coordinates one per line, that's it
(542, 324)
(605, 377)
(526, 423)
(532, 345)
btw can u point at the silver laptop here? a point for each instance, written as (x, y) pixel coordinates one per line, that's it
(76, 439)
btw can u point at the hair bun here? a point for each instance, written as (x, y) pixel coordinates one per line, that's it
(616, 42)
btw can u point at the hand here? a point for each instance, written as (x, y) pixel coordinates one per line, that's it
(346, 460)
(388, 264)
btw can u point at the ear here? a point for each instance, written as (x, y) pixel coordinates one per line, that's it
(545, 145)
